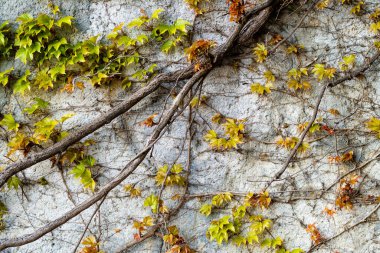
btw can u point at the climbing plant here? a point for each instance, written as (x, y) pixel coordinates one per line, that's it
(43, 59)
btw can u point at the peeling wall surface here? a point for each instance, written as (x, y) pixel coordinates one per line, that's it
(326, 35)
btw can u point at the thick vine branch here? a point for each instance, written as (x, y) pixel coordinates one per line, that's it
(131, 101)
(129, 168)
(134, 163)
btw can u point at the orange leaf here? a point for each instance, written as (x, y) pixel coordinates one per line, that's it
(149, 121)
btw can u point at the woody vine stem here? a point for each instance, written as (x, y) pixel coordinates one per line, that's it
(53, 64)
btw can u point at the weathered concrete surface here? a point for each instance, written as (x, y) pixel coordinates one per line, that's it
(326, 35)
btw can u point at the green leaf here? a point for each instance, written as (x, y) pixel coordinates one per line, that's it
(84, 174)
(4, 24)
(54, 8)
(239, 240)
(142, 38)
(267, 224)
(14, 182)
(22, 84)
(297, 250)
(9, 122)
(23, 18)
(39, 104)
(89, 161)
(138, 22)
(57, 44)
(64, 20)
(252, 237)
(62, 135)
(24, 54)
(125, 41)
(276, 242)
(2, 39)
(156, 13)
(43, 181)
(4, 76)
(66, 117)
(181, 25)
(44, 128)
(57, 70)
(239, 212)
(78, 171)
(151, 68)
(206, 209)
(167, 46)
(43, 79)
(88, 181)
(45, 20)
(152, 202)
(25, 42)
(221, 199)
(266, 243)
(177, 168)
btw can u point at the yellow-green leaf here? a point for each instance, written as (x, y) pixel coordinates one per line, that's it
(65, 20)
(9, 122)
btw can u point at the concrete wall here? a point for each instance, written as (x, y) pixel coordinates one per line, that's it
(327, 35)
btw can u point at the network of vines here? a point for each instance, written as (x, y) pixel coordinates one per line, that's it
(52, 62)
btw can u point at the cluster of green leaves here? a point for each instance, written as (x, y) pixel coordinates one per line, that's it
(44, 130)
(81, 171)
(52, 60)
(155, 204)
(220, 230)
(40, 43)
(171, 177)
(171, 35)
(258, 227)
(234, 131)
(241, 227)
(77, 156)
(5, 40)
(217, 201)
(34, 37)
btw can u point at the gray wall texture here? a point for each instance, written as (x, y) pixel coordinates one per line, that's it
(327, 36)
